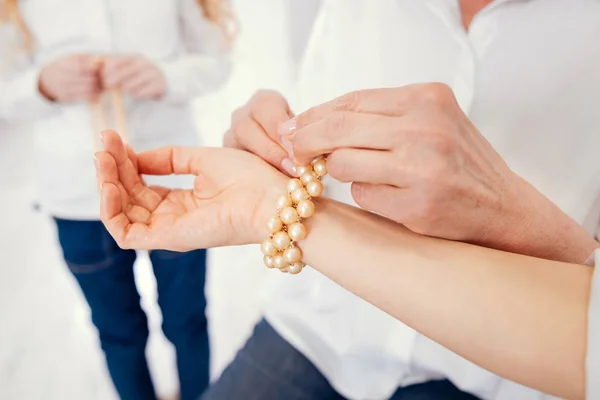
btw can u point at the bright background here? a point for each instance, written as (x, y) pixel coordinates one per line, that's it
(48, 346)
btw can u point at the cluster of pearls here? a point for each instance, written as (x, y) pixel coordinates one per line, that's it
(286, 229)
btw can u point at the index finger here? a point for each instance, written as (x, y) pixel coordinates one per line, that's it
(387, 101)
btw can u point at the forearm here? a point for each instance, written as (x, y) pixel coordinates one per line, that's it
(537, 227)
(520, 317)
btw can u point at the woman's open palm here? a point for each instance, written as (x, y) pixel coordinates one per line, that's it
(233, 194)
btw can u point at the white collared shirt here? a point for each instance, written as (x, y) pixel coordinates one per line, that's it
(528, 75)
(173, 34)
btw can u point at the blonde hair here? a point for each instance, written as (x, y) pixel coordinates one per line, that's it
(216, 11)
(219, 12)
(9, 14)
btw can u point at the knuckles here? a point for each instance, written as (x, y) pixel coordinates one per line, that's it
(435, 93)
(361, 195)
(350, 102)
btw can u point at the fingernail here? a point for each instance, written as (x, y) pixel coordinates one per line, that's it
(101, 187)
(95, 156)
(289, 167)
(287, 145)
(102, 136)
(287, 128)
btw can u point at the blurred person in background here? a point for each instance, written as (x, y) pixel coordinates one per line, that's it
(527, 76)
(158, 55)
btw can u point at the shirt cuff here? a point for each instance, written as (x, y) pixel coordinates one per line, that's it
(593, 353)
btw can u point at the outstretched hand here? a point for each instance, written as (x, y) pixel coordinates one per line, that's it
(234, 193)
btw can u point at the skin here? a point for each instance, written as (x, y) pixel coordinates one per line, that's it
(414, 157)
(135, 75)
(82, 77)
(470, 8)
(70, 79)
(451, 184)
(546, 300)
(527, 318)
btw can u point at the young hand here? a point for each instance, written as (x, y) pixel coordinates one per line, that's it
(70, 79)
(234, 194)
(135, 75)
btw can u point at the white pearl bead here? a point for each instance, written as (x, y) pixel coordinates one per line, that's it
(283, 201)
(295, 268)
(299, 194)
(310, 176)
(288, 215)
(306, 208)
(292, 255)
(301, 170)
(268, 260)
(294, 184)
(274, 224)
(268, 247)
(280, 240)
(320, 167)
(315, 188)
(279, 262)
(297, 231)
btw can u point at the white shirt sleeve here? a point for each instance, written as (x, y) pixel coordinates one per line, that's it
(20, 99)
(593, 355)
(204, 63)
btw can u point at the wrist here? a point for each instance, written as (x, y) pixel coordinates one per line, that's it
(267, 208)
(530, 224)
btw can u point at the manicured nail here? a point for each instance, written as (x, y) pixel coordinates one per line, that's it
(288, 166)
(287, 145)
(287, 128)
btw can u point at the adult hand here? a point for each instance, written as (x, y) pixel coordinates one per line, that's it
(135, 75)
(73, 78)
(234, 194)
(254, 129)
(413, 156)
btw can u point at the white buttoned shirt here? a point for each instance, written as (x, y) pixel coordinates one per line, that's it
(527, 73)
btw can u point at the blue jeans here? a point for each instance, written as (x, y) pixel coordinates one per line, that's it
(105, 274)
(269, 368)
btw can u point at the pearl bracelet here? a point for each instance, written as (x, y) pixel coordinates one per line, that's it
(281, 250)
